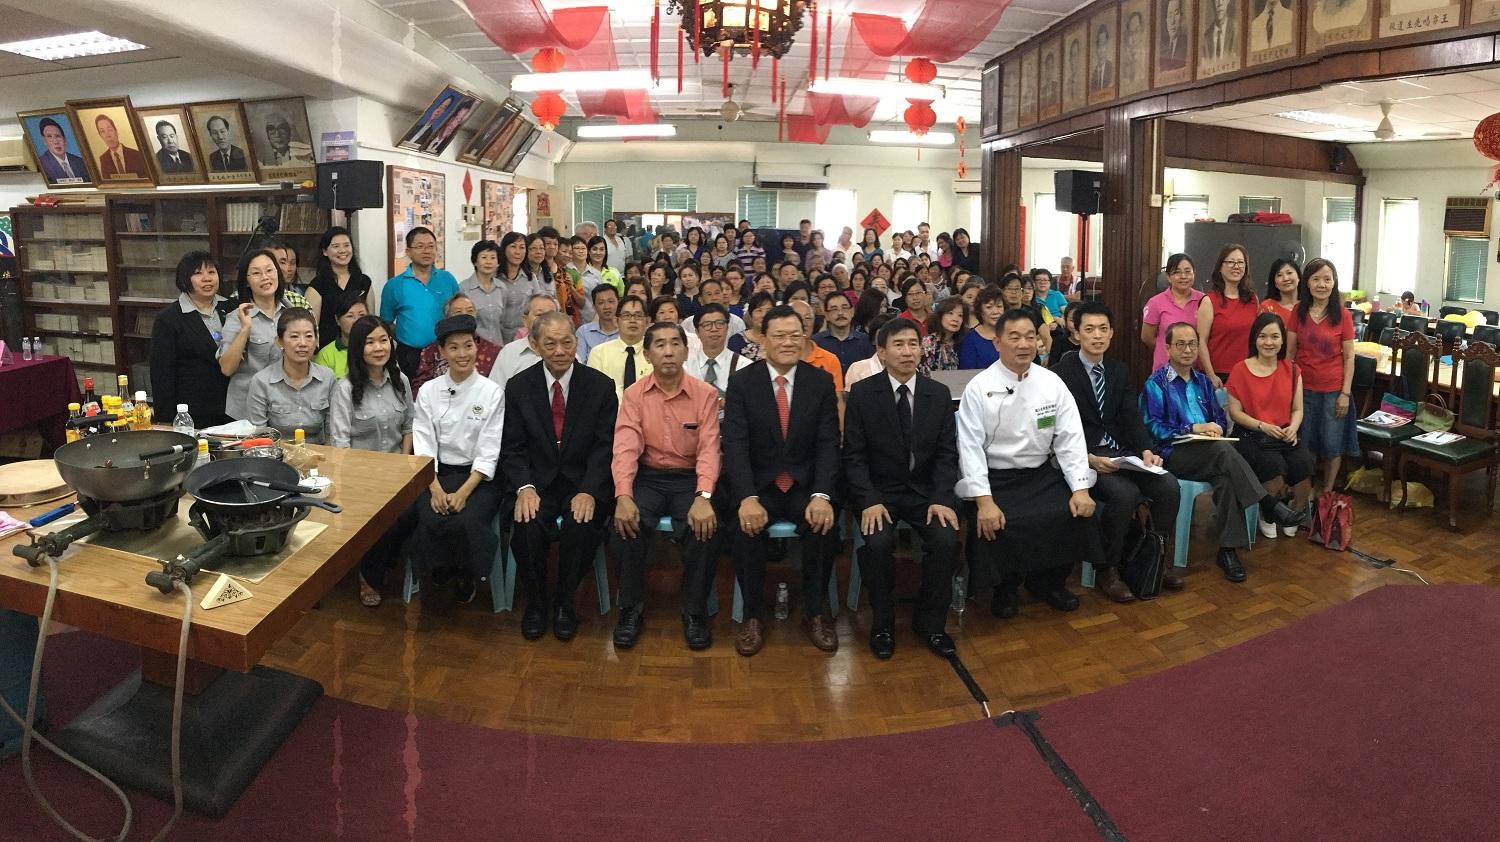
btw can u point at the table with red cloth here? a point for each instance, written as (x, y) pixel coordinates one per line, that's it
(38, 391)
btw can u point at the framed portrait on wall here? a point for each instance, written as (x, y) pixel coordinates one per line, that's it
(1334, 22)
(1484, 11)
(1103, 55)
(1219, 31)
(280, 138)
(1027, 97)
(1174, 42)
(1135, 47)
(169, 142)
(485, 134)
(992, 98)
(219, 129)
(56, 148)
(415, 198)
(498, 202)
(112, 138)
(1272, 34)
(1405, 17)
(1010, 91)
(443, 117)
(1049, 80)
(1075, 67)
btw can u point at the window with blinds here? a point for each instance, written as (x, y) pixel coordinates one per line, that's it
(592, 204)
(1338, 209)
(679, 198)
(758, 206)
(1260, 204)
(1466, 268)
(1339, 231)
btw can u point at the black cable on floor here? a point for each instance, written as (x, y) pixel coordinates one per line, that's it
(1026, 721)
(974, 689)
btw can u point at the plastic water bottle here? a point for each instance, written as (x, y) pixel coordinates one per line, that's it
(960, 594)
(36, 347)
(25, 347)
(183, 423)
(783, 602)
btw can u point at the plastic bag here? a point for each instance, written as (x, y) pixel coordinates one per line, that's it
(1421, 495)
(1364, 481)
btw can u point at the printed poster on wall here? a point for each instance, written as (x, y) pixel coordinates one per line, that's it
(1405, 17)
(498, 200)
(416, 198)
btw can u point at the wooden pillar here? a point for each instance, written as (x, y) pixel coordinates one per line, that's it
(1001, 200)
(1132, 234)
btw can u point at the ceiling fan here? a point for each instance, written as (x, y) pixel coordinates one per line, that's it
(1385, 131)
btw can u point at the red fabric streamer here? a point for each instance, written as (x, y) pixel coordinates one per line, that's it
(812, 61)
(827, 43)
(943, 31)
(655, 41)
(724, 55)
(804, 128)
(781, 114)
(625, 106)
(520, 26)
(775, 74)
(680, 37)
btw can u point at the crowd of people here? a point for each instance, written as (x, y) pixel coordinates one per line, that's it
(584, 389)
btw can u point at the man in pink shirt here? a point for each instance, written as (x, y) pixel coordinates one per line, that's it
(666, 462)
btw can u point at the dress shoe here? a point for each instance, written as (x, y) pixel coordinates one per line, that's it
(1111, 585)
(564, 622)
(1173, 583)
(1006, 602)
(750, 639)
(1283, 515)
(533, 622)
(1229, 562)
(822, 633)
(628, 630)
(1062, 599)
(464, 589)
(696, 632)
(882, 643)
(939, 642)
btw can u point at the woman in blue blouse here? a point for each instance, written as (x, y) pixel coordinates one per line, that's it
(978, 347)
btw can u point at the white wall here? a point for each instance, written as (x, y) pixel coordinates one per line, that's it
(1037, 178)
(1430, 172)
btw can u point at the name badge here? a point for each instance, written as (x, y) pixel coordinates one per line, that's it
(1046, 422)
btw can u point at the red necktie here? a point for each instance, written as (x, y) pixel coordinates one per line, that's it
(558, 407)
(783, 411)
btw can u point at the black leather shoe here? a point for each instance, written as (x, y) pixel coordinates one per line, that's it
(696, 631)
(1006, 602)
(1283, 515)
(533, 622)
(564, 622)
(464, 589)
(939, 642)
(628, 630)
(1229, 562)
(1173, 583)
(1062, 599)
(882, 643)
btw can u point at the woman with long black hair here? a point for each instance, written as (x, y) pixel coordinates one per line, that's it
(964, 253)
(1265, 401)
(337, 273)
(1323, 335)
(1225, 314)
(514, 277)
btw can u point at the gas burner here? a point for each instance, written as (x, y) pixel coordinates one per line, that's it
(253, 533)
(143, 515)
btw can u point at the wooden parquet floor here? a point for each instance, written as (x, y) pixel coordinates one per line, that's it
(473, 666)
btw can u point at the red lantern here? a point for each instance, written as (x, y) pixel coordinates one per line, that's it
(919, 116)
(1487, 141)
(549, 109)
(921, 71)
(548, 60)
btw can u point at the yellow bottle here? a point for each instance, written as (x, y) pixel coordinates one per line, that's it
(75, 410)
(299, 437)
(142, 411)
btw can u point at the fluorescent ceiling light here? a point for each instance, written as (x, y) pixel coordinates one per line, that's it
(583, 80)
(896, 136)
(842, 86)
(76, 45)
(629, 130)
(1323, 118)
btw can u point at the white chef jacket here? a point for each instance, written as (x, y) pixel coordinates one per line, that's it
(1006, 422)
(460, 423)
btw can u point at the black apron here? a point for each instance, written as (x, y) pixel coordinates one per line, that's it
(1040, 532)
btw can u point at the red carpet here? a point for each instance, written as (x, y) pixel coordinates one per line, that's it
(1372, 720)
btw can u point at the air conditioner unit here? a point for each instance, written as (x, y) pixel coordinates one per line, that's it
(775, 182)
(14, 157)
(966, 187)
(1467, 216)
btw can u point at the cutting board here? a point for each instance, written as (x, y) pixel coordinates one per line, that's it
(31, 482)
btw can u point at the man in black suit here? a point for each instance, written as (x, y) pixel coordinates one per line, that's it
(901, 461)
(1112, 427)
(171, 158)
(226, 157)
(559, 432)
(781, 458)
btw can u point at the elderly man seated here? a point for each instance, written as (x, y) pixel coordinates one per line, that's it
(1184, 419)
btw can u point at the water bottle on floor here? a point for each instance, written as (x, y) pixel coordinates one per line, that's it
(183, 423)
(960, 594)
(783, 602)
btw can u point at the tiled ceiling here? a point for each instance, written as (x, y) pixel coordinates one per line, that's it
(1431, 107)
(449, 23)
(16, 25)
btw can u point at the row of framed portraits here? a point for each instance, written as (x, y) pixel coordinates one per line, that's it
(108, 143)
(501, 141)
(1130, 47)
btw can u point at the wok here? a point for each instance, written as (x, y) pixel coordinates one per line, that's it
(110, 468)
(232, 486)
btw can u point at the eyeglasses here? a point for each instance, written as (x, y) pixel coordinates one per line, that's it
(716, 324)
(1235, 264)
(1181, 273)
(632, 316)
(1185, 346)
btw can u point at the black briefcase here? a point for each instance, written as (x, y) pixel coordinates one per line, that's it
(1145, 559)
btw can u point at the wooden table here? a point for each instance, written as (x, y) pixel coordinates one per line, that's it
(235, 720)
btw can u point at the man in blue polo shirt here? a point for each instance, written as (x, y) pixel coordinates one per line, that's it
(414, 299)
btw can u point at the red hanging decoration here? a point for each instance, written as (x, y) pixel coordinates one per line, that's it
(548, 60)
(655, 38)
(962, 125)
(679, 60)
(812, 61)
(963, 170)
(754, 24)
(697, 31)
(827, 44)
(781, 114)
(549, 109)
(919, 116)
(724, 54)
(775, 74)
(920, 71)
(1487, 141)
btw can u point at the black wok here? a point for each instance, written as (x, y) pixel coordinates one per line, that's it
(109, 467)
(233, 486)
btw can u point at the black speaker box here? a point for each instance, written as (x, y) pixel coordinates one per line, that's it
(1077, 191)
(350, 185)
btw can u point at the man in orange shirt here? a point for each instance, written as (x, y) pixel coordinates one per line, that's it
(666, 462)
(813, 352)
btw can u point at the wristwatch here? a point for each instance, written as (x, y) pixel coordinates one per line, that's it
(706, 495)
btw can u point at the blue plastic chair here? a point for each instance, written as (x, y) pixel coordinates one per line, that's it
(601, 577)
(1189, 491)
(499, 588)
(787, 529)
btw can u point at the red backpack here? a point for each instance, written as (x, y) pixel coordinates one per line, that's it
(1332, 521)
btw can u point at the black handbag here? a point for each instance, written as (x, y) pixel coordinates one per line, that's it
(1143, 566)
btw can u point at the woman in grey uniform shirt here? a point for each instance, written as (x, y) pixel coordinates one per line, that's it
(248, 344)
(294, 394)
(372, 409)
